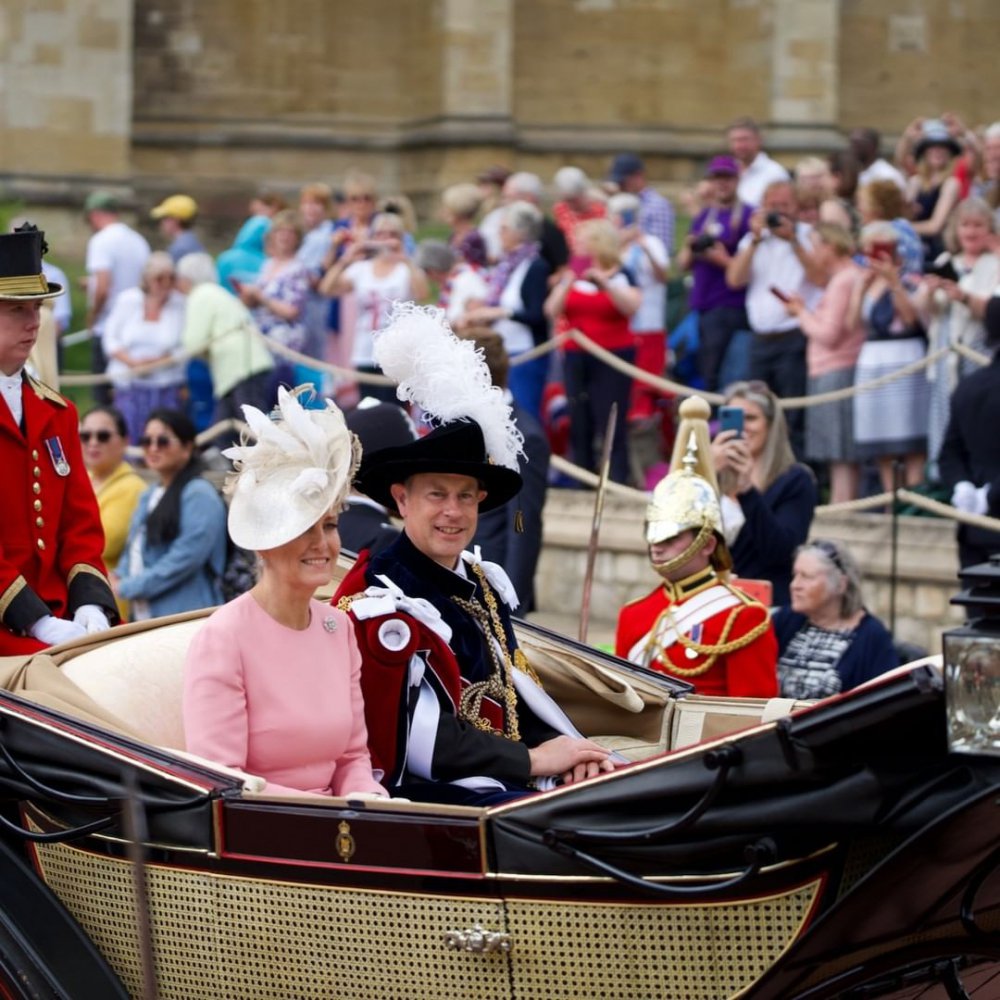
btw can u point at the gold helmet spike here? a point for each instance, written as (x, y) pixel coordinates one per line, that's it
(687, 499)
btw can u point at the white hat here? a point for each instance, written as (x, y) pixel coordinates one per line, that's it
(301, 465)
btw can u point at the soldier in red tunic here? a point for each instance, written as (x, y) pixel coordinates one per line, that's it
(53, 585)
(697, 626)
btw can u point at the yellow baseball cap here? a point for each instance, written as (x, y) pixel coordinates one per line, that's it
(177, 206)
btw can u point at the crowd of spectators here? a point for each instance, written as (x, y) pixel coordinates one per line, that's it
(799, 282)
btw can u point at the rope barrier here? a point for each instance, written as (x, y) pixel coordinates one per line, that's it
(602, 354)
(942, 510)
(947, 511)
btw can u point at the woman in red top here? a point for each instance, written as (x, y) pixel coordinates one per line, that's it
(598, 304)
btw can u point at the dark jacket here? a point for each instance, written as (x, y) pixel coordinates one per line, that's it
(517, 552)
(777, 524)
(870, 653)
(971, 452)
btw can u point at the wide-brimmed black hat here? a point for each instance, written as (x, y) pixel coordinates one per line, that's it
(455, 448)
(21, 276)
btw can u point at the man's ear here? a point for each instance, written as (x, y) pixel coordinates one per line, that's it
(711, 544)
(398, 493)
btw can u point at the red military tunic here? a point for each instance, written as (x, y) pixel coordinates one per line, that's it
(738, 651)
(51, 537)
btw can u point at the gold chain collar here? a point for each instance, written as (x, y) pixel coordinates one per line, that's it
(500, 683)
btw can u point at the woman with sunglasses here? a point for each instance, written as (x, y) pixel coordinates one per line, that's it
(104, 437)
(176, 549)
(827, 641)
(145, 326)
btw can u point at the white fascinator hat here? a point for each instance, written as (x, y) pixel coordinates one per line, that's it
(291, 468)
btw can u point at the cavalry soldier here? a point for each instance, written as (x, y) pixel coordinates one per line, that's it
(53, 585)
(453, 711)
(696, 625)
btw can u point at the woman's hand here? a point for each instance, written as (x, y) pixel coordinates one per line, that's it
(731, 452)
(250, 296)
(795, 306)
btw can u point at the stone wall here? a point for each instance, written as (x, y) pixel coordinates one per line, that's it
(926, 571)
(220, 97)
(65, 88)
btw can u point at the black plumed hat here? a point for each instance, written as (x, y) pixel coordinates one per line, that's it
(455, 448)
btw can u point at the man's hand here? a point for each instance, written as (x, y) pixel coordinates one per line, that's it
(91, 618)
(52, 630)
(572, 758)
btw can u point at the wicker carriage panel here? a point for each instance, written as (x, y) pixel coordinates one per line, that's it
(218, 936)
(696, 951)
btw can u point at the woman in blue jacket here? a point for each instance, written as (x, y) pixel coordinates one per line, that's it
(176, 549)
(827, 641)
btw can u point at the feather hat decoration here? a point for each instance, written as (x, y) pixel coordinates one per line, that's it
(446, 377)
(291, 468)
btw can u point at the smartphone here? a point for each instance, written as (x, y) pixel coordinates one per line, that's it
(628, 217)
(882, 251)
(731, 419)
(779, 294)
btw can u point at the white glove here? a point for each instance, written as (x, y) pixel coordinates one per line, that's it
(52, 630)
(967, 497)
(92, 618)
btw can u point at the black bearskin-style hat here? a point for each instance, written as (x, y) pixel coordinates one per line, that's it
(21, 277)
(456, 448)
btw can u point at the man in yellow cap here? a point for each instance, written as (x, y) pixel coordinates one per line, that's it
(176, 216)
(695, 625)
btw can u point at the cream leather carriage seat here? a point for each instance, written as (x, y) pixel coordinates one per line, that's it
(140, 679)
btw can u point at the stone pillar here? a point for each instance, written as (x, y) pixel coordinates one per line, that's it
(805, 80)
(477, 72)
(65, 87)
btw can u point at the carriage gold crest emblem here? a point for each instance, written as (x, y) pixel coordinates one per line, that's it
(345, 842)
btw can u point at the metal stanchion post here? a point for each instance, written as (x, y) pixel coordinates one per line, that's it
(897, 472)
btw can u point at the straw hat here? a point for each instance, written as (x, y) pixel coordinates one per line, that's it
(300, 465)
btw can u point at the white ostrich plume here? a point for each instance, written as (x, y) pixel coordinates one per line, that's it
(314, 444)
(446, 377)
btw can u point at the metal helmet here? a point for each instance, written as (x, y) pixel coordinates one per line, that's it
(688, 498)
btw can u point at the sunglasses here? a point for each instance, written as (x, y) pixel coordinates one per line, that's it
(160, 441)
(101, 437)
(830, 551)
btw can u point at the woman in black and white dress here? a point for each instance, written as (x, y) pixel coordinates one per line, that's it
(890, 421)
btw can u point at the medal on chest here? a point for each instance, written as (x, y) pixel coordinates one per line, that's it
(58, 455)
(695, 636)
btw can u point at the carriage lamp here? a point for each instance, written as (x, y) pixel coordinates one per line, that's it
(972, 664)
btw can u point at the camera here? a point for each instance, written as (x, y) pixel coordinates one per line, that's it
(773, 220)
(702, 242)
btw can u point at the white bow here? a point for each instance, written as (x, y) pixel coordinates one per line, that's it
(496, 575)
(384, 600)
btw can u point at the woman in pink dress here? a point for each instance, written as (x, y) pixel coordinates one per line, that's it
(271, 682)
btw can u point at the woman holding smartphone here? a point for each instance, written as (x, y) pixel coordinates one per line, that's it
(379, 273)
(890, 421)
(768, 498)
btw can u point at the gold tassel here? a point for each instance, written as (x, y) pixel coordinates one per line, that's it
(519, 521)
